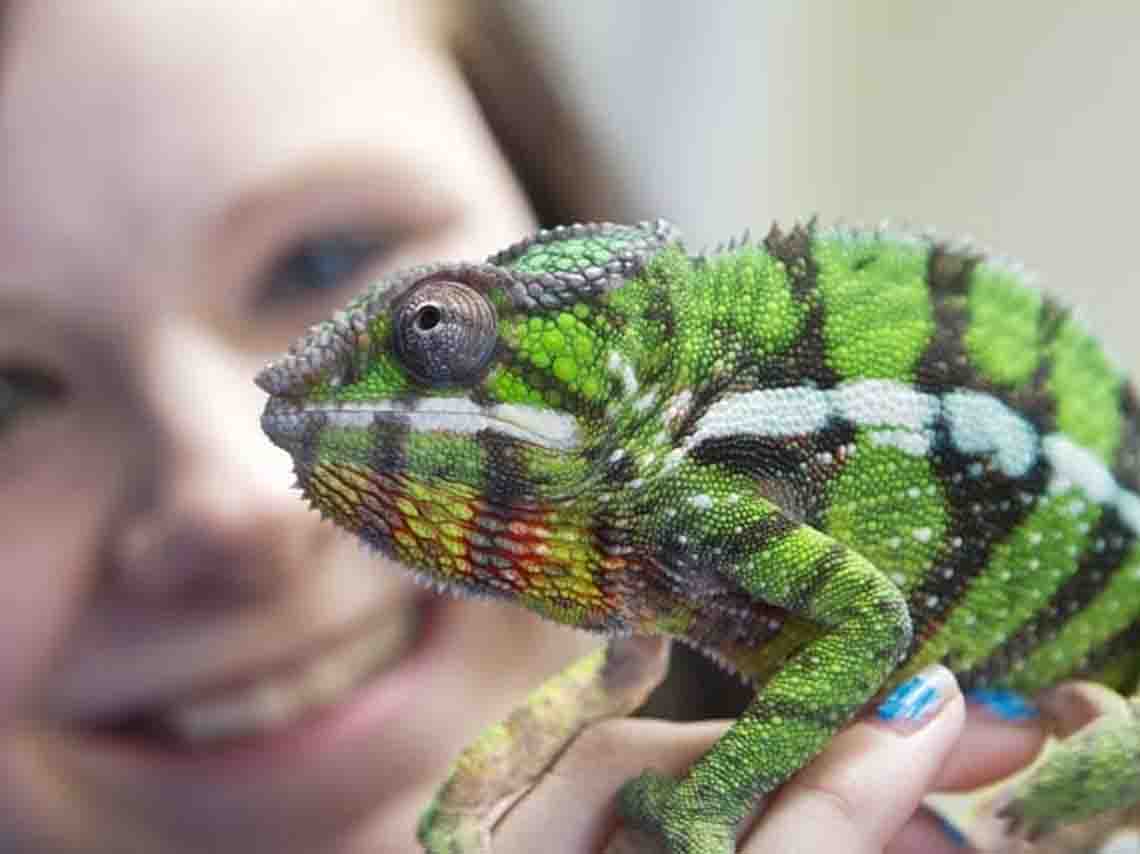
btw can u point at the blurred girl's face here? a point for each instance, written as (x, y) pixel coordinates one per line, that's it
(189, 659)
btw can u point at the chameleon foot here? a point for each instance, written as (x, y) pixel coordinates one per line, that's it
(659, 818)
(509, 758)
(448, 831)
(1094, 770)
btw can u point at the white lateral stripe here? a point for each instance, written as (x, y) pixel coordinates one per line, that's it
(768, 412)
(1128, 506)
(981, 424)
(1076, 466)
(544, 427)
(978, 424)
(451, 405)
(800, 410)
(915, 443)
(884, 403)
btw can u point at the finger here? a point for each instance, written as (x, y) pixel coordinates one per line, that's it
(861, 790)
(572, 807)
(928, 833)
(1000, 738)
(1070, 706)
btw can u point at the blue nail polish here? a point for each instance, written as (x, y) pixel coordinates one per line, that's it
(952, 833)
(910, 701)
(1007, 705)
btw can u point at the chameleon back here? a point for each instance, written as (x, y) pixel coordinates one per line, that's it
(933, 411)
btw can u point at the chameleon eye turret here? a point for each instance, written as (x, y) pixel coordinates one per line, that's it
(444, 332)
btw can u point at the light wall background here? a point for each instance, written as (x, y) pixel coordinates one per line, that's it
(1017, 123)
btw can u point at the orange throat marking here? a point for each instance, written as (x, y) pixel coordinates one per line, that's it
(544, 555)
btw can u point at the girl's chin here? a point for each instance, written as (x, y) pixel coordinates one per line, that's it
(281, 770)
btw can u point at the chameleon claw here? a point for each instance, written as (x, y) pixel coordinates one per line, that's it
(445, 832)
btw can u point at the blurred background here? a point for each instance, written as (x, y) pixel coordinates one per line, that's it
(1016, 123)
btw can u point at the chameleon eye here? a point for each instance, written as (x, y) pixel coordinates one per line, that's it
(445, 332)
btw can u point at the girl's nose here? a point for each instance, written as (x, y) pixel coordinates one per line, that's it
(215, 521)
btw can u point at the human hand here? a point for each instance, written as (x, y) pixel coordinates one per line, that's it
(1067, 708)
(863, 794)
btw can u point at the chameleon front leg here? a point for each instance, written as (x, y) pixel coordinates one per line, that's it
(865, 630)
(506, 761)
(1095, 769)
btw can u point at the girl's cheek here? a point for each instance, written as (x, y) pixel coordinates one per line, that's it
(53, 516)
(39, 591)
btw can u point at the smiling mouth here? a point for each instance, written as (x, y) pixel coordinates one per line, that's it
(275, 698)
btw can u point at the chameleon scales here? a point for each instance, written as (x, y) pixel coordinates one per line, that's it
(827, 459)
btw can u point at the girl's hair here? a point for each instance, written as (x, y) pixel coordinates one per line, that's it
(531, 115)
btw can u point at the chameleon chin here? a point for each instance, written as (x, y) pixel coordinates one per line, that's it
(828, 459)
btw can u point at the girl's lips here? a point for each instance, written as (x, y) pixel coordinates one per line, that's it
(286, 694)
(287, 713)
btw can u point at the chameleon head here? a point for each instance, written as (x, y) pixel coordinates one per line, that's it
(452, 416)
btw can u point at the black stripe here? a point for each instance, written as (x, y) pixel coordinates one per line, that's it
(821, 571)
(945, 363)
(755, 538)
(664, 312)
(806, 360)
(788, 470)
(617, 473)
(1127, 640)
(1094, 572)
(389, 436)
(1034, 400)
(793, 248)
(719, 628)
(983, 509)
(948, 272)
(306, 452)
(1126, 461)
(696, 560)
(506, 476)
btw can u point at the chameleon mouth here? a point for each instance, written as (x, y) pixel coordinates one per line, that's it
(291, 424)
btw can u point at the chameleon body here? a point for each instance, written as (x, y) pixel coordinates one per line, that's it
(827, 458)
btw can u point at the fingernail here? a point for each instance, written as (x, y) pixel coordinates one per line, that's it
(916, 700)
(952, 833)
(1007, 705)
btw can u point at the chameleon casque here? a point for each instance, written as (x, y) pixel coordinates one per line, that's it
(827, 458)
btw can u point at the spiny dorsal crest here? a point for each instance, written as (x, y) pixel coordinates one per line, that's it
(557, 267)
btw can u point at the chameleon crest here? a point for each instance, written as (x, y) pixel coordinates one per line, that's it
(827, 459)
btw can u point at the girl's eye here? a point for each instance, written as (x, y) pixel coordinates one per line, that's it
(23, 390)
(320, 264)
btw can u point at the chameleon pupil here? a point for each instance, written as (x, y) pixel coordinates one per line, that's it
(428, 318)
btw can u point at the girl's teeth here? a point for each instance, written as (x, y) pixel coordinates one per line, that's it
(281, 698)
